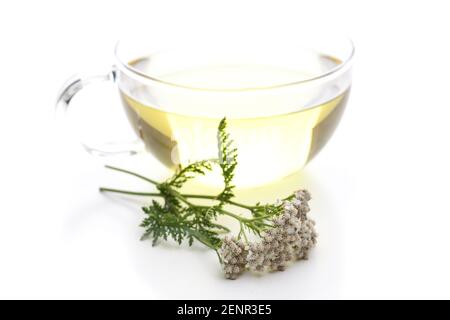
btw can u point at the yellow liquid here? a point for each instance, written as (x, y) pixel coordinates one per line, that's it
(270, 147)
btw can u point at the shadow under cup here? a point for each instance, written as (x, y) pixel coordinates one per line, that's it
(282, 102)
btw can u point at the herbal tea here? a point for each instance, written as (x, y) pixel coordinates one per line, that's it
(284, 133)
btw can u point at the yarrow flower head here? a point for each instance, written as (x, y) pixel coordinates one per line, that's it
(291, 238)
(233, 254)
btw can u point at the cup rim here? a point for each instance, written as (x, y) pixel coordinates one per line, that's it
(346, 63)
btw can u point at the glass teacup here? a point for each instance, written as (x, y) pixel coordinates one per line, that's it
(282, 99)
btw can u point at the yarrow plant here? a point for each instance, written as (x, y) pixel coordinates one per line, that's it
(282, 230)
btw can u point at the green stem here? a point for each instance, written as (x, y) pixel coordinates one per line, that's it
(182, 197)
(218, 256)
(156, 194)
(186, 195)
(242, 231)
(219, 226)
(205, 243)
(133, 174)
(200, 196)
(235, 216)
(150, 194)
(240, 205)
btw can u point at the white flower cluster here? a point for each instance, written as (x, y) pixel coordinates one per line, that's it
(291, 238)
(234, 253)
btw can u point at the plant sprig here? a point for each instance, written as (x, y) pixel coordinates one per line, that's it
(177, 217)
(227, 162)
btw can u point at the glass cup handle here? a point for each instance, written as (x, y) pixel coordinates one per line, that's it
(68, 91)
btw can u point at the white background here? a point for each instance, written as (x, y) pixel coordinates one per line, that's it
(381, 186)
